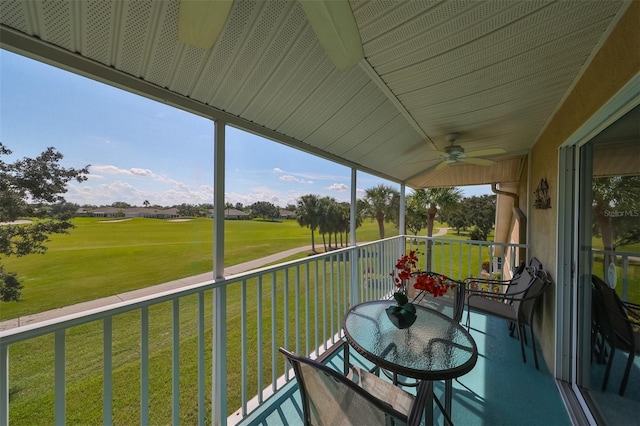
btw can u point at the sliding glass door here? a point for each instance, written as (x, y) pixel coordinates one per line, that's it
(607, 252)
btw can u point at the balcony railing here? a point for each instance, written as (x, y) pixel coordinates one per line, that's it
(175, 355)
(625, 266)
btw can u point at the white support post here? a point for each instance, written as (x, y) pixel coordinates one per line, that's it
(353, 252)
(219, 355)
(60, 390)
(401, 222)
(107, 385)
(4, 385)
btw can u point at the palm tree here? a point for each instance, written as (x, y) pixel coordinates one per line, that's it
(328, 219)
(382, 205)
(435, 199)
(344, 216)
(308, 214)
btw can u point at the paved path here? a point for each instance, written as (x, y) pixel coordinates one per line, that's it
(105, 301)
(92, 304)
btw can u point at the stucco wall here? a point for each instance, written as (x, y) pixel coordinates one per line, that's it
(614, 65)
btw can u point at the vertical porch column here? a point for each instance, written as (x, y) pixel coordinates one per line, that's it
(4, 385)
(401, 221)
(353, 251)
(219, 351)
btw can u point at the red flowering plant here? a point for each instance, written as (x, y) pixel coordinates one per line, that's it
(407, 268)
(404, 314)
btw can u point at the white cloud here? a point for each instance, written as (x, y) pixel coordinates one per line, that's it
(142, 172)
(109, 183)
(308, 177)
(290, 178)
(338, 187)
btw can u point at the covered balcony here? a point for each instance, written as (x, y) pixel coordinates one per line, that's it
(543, 97)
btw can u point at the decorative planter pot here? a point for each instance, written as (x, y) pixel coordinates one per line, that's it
(402, 316)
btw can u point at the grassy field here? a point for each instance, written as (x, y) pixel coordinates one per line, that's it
(102, 258)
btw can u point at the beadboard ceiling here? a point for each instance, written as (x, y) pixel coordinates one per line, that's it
(492, 71)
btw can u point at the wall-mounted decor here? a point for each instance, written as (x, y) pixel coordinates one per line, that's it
(542, 195)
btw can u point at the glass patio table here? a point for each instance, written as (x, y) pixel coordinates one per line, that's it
(435, 347)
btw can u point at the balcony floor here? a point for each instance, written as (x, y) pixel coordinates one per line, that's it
(500, 390)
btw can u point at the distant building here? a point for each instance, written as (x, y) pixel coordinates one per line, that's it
(287, 214)
(235, 214)
(113, 212)
(155, 213)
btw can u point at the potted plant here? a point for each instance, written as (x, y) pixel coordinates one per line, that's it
(406, 273)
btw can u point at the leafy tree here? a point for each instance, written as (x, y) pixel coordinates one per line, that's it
(291, 207)
(415, 214)
(435, 200)
(481, 213)
(239, 206)
(265, 210)
(616, 212)
(456, 217)
(308, 214)
(40, 180)
(121, 205)
(146, 203)
(382, 204)
(63, 209)
(185, 209)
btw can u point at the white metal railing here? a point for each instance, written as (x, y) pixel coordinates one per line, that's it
(298, 305)
(623, 263)
(460, 259)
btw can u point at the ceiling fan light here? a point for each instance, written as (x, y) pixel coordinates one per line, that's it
(336, 29)
(201, 21)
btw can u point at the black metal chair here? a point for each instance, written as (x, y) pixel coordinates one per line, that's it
(331, 398)
(450, 304)
(517, 304)
(503, 285)
(614, 323)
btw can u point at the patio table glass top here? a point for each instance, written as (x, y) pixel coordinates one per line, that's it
(435, 347)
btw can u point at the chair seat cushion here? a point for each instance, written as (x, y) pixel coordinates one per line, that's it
(495, 307)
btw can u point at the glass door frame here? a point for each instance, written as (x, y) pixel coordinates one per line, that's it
(570, 172)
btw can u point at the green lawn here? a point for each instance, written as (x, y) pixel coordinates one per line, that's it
(101, 258)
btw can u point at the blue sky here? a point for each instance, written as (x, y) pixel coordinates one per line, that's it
(141, 150)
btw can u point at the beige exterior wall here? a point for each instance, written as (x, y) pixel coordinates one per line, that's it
(614, 65)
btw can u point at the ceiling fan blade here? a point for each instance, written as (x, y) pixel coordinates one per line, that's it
(441, 166)
(477, 161)
(336, 29)
(201, 21)
(485, 152)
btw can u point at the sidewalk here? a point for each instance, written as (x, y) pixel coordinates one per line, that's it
(105, 301)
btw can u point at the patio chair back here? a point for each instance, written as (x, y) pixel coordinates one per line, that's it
(330, 398)
(450, 304)
(612, 323)
(517, 305)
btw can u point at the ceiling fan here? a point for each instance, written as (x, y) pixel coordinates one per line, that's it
(200, 22)
(455, 154)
